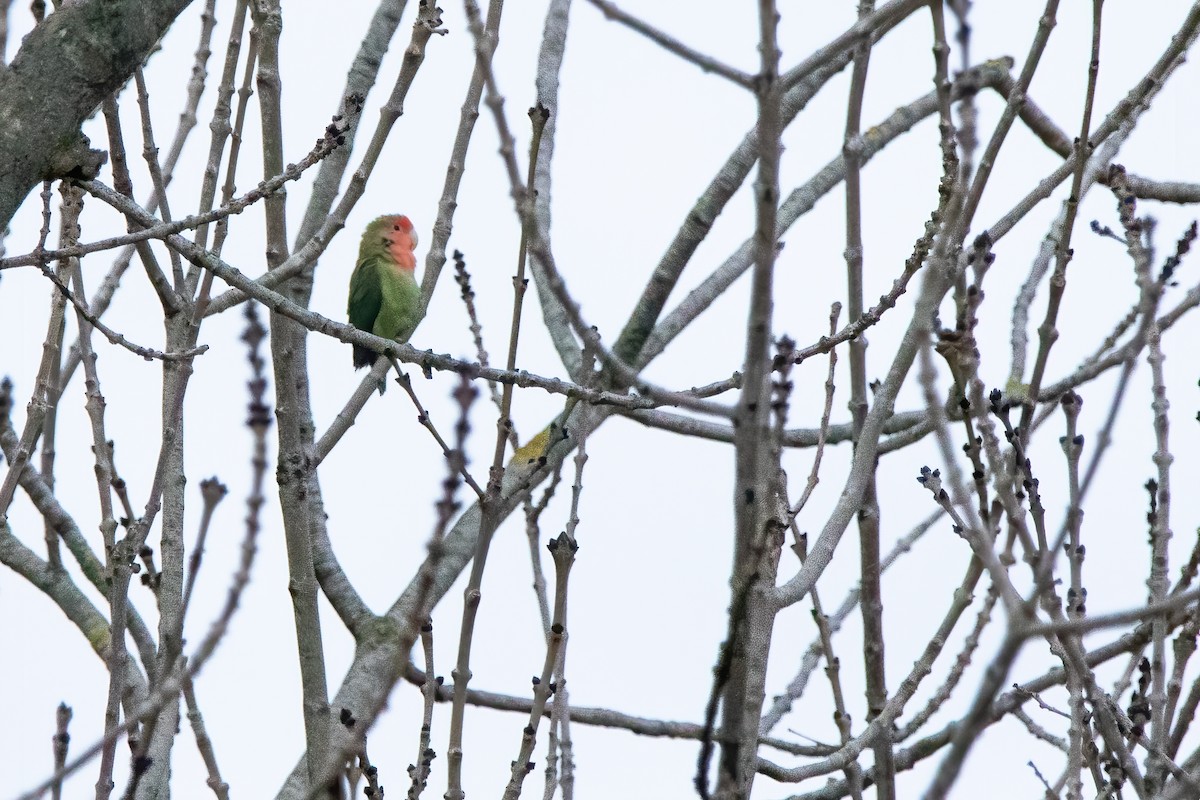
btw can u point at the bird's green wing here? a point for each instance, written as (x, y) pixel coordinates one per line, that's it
(366, 294)
(366, 298)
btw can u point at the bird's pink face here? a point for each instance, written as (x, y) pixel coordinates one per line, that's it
(401, 240)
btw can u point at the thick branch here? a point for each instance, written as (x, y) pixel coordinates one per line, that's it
(66, 66)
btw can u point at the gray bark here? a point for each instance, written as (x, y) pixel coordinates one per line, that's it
(73, 60)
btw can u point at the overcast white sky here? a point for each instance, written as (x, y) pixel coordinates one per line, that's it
(640, 134)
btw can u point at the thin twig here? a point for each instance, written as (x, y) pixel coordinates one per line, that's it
(674, 46)
(62, 742)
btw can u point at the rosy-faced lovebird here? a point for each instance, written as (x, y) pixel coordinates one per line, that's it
(384, 296)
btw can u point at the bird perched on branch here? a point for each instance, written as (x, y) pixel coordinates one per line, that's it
(384, 296)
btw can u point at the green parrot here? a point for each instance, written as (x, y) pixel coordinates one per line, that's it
(384, 296)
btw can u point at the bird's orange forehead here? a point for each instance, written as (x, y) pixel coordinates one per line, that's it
(398, 228)
(399, 222)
